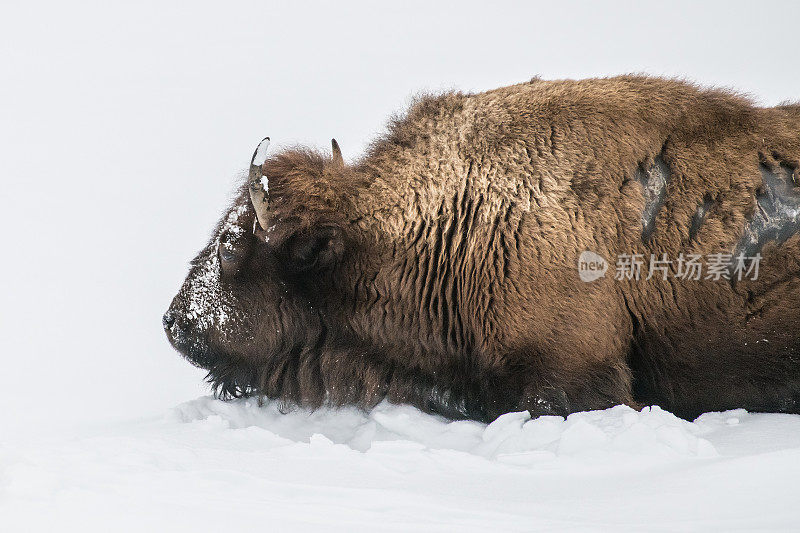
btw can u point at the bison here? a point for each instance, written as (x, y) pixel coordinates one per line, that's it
(479, 258)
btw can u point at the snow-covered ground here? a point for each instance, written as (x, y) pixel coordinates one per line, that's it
(209, 465)
(122, 128)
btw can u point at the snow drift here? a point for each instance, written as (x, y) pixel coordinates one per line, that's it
(212, 465)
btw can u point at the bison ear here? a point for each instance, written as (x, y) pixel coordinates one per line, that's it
(337, 153)
(316, 248)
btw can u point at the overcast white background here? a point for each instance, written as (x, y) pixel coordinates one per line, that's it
(124, 125)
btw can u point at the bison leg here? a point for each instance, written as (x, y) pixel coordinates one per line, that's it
(725, 361)
(561, 391)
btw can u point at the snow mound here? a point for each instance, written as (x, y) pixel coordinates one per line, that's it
(512, 438)
(222, 466)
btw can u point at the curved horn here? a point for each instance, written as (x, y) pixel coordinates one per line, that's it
(258, 184)
(337, 153)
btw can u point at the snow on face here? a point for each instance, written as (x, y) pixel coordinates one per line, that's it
(207, 304)
(232, 230)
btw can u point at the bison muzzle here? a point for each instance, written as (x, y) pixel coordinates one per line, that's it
(443, 268)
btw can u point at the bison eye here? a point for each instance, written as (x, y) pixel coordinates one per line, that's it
(230, 259)
(226, 255)
(233, 250)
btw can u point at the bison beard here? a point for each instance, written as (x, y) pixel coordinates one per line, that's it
(440, 270)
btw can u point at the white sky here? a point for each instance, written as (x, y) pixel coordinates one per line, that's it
(122, 129)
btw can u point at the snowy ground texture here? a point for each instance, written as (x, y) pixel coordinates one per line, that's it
(209, 465)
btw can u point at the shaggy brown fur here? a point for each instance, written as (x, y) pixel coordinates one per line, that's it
(441, 269)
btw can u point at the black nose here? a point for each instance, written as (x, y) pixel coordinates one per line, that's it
(168, 319)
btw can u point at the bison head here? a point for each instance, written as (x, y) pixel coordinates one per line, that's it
(257, 306)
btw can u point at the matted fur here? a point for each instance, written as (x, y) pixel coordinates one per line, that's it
(441, 268)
